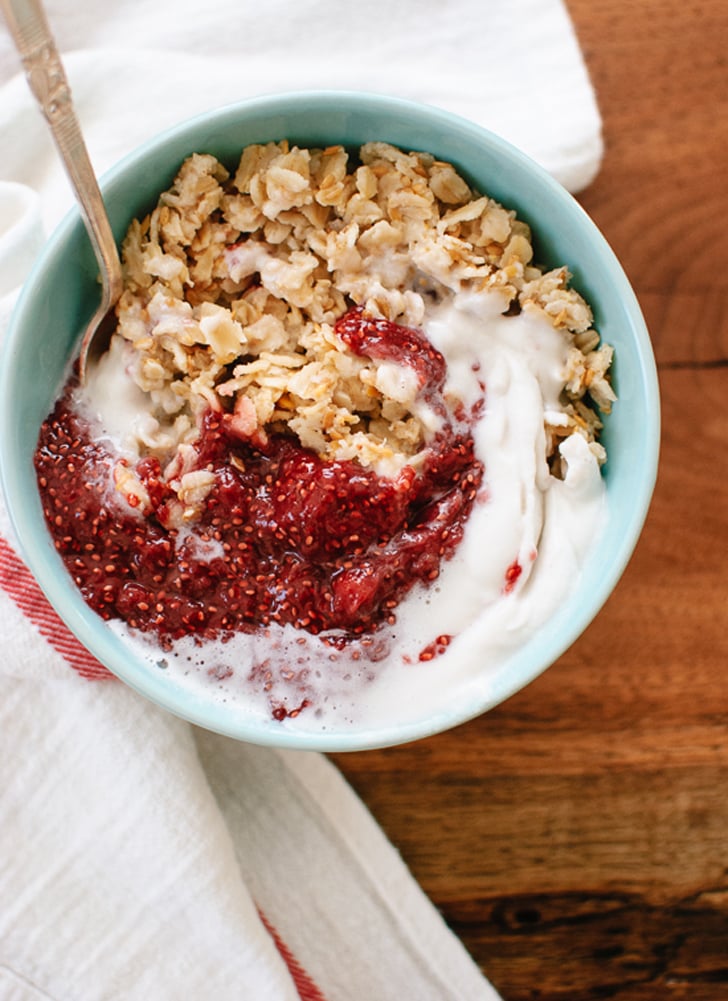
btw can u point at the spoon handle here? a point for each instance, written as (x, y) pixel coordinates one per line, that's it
(47, 79)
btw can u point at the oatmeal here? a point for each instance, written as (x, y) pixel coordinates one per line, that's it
(334, 378)
(234, 285)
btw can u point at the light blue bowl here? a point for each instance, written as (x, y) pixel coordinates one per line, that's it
(62, 292)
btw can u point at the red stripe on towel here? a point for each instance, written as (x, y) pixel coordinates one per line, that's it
(19, 583)
(307, 989)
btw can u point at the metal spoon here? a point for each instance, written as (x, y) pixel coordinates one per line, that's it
(47, 79)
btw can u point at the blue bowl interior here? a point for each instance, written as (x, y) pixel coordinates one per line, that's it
(62, 292)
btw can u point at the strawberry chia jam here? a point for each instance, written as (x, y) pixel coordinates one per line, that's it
(284, 537)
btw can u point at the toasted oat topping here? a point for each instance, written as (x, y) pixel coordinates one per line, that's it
(234, 282)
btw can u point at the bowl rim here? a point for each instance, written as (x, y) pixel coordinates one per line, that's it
(44, 562)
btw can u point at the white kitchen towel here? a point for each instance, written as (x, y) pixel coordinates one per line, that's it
(137, 67)
(141, 858)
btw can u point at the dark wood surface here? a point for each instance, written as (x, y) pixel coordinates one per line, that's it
(576, 837)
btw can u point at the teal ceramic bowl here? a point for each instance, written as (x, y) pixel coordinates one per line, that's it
(62, 291)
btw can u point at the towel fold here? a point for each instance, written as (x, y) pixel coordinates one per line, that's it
(139, 856)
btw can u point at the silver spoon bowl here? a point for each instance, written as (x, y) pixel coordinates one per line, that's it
(47, 79)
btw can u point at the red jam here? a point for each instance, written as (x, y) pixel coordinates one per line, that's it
(513, 572)
(385, 341)
(287, 537)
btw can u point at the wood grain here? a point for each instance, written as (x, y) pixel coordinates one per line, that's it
(576, 837)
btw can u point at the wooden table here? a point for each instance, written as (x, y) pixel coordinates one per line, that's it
(576, 838)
